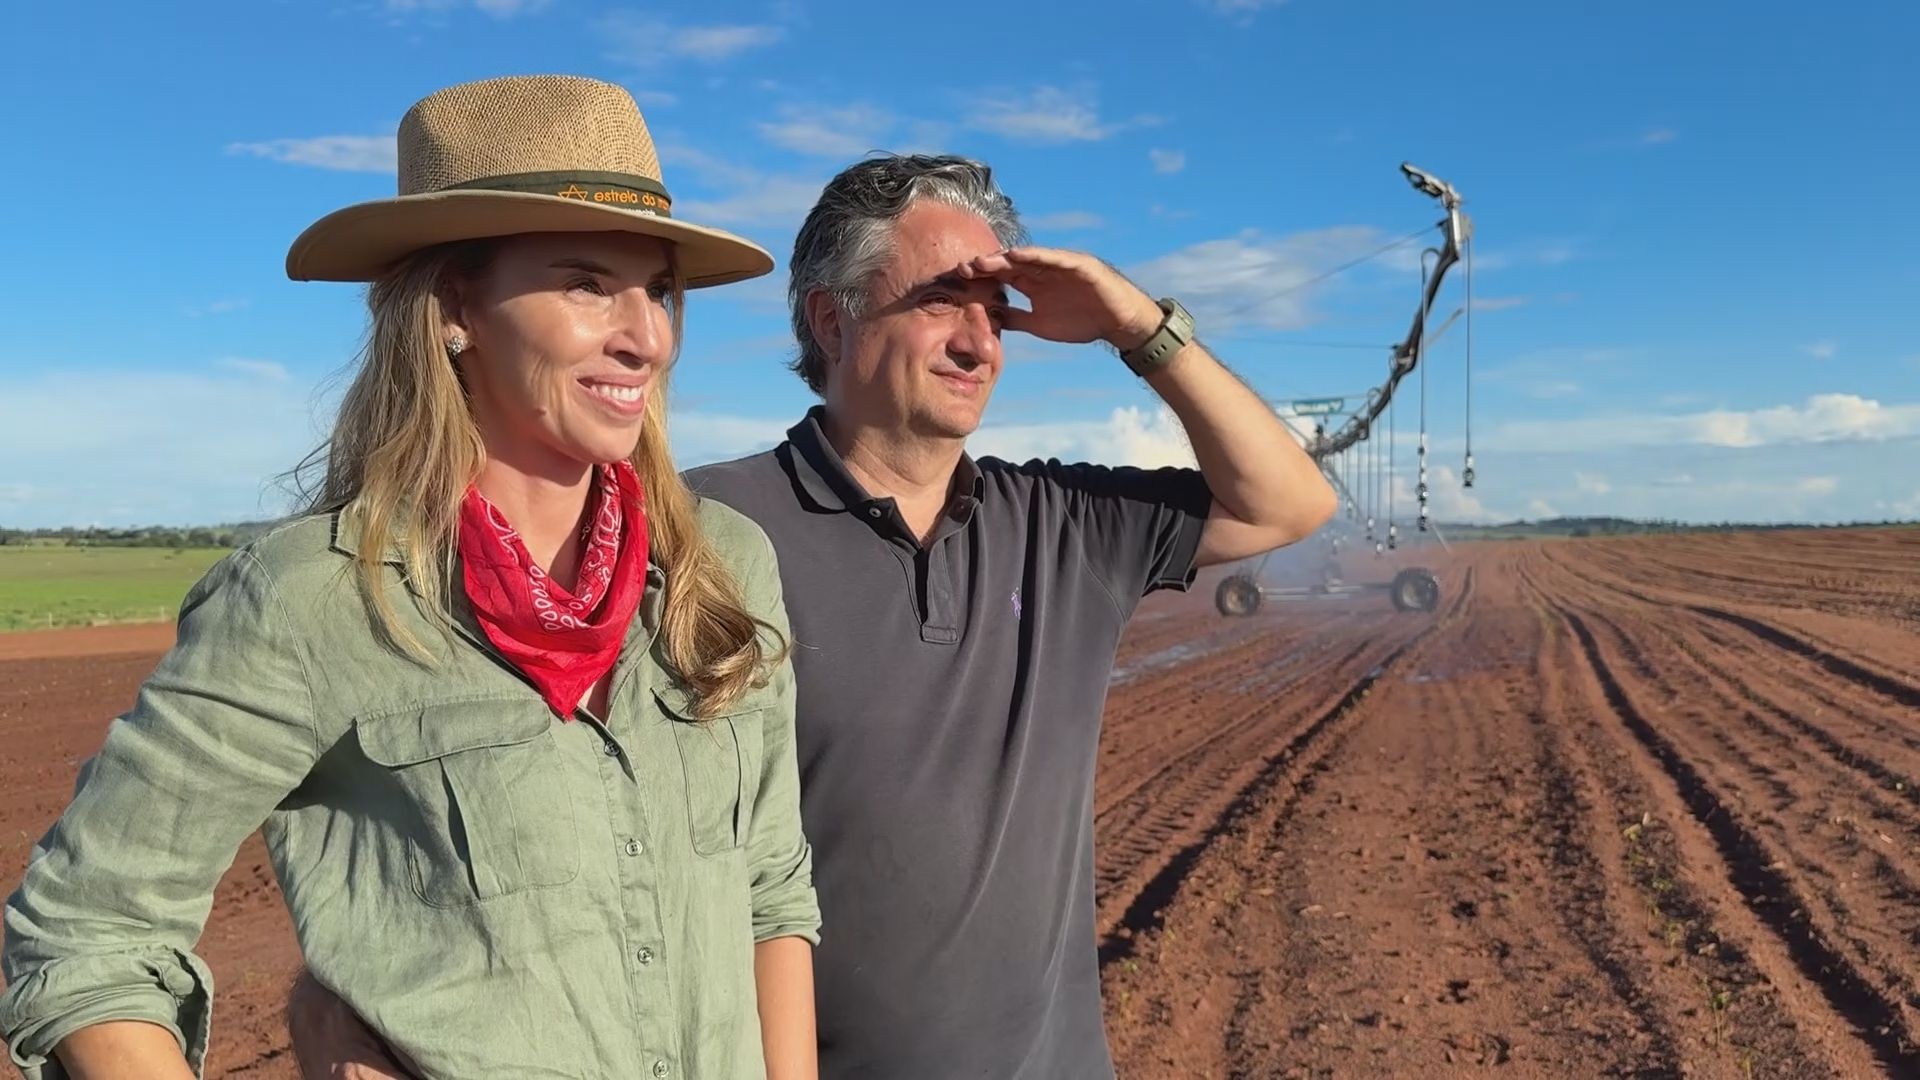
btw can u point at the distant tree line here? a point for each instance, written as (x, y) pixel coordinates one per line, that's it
(1577, 527)
(145, 536)
(224, 536)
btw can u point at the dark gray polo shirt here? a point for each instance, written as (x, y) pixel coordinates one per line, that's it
(949, 710)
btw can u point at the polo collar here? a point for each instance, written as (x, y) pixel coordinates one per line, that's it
(822, 474)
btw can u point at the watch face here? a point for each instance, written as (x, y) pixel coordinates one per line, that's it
(1181, 323)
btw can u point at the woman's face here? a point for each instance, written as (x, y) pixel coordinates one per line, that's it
(566, 334)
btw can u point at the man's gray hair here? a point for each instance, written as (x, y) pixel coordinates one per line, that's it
(848, 235)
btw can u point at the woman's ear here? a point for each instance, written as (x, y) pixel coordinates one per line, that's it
(453, 329)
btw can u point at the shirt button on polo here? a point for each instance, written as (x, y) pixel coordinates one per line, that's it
(645, 957)
(660, 1070)
(633, 847)
(875, 512)
(612, 748)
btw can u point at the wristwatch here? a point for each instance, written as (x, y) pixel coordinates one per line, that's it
(1154, 353)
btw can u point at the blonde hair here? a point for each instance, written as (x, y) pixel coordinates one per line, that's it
(405, 449)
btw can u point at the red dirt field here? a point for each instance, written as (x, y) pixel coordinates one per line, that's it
(1638, 807)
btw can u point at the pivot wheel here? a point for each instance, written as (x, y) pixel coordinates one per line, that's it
(1415, 590)
(1237, 595)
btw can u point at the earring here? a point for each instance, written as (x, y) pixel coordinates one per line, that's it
(456, 345)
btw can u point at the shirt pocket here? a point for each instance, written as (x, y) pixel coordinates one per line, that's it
(478, 791)
(720, 758)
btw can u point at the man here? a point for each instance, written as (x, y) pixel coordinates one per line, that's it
(955, 620)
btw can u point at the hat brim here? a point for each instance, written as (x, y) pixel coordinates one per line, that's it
(359, 243)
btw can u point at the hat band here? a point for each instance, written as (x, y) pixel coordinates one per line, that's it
(627, 191)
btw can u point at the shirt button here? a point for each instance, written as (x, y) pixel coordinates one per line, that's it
(633, 847)
(613, 748)
(660, 1070)
(646, 957)
(875, 512)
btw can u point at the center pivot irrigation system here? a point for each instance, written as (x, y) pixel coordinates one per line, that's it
(1351, 458)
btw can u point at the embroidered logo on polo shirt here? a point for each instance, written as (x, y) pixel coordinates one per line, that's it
(1016, 603)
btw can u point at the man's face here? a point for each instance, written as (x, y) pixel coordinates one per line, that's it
(924, 358)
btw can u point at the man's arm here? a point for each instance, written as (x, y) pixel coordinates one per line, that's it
(1267, 492)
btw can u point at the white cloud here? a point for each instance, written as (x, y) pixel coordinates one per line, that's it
(1128, 436)
(701, 437)
(1546, 252)
(1824, 418)
(778, 200)
(648, 42)
(499, 9)
(654, 99)
(1659, 137)
(720, 42)
(845, 132)
(1821, 350)
(1167, 161)
(1591, 483)
(1904, 509)
(739, 195)
(1049, 115)
(1448, 501)
(136, 446)
(1804, 486)
(1240, 7)
(346, 153)
(1256, 280)
(1066, 220)
(1538, 509)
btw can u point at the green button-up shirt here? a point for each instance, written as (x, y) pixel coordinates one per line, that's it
(496, 892)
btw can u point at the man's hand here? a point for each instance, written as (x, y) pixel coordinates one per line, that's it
(1267, 492)
(330, 1042)
(1076, 297)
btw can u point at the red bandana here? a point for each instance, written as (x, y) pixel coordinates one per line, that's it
(564, 642)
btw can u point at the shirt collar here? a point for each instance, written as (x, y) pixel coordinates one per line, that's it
(644, 628)
(824, 477)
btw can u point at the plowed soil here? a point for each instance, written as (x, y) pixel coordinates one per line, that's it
(1642, 807)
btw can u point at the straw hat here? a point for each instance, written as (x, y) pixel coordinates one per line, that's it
(540, 153)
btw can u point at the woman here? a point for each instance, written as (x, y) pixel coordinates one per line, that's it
(514, 708)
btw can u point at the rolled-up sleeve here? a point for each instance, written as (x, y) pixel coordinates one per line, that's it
(784, 903)
(114, 898)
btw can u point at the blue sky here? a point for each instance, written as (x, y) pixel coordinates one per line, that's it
(1697, 236)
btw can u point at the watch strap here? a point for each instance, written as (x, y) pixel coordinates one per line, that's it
(1174, 332)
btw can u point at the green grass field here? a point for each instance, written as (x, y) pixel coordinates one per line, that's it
(46, 586)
